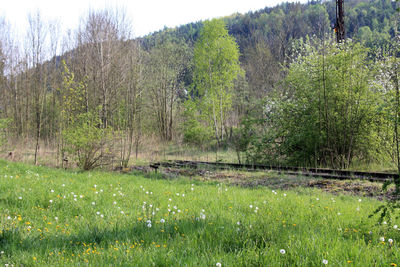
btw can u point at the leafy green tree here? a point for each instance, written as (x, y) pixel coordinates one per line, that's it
(87, 142)
(387, 81)
(327, 111)
(330, 106)
(216, 67)
(82, 135)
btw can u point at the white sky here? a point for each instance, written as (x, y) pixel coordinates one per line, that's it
(146, 15)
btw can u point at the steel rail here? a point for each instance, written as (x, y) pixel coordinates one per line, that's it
(314, 172)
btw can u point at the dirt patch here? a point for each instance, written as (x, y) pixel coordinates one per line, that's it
(275, 180)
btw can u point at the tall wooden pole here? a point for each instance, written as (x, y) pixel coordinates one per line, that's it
(339, 26)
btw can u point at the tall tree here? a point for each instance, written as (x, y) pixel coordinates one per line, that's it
(165, 69)
(102, 49)
(36, 54)
(216, 67)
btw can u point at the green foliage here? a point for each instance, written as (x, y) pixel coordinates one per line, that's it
(388, 83)
(84, 138)
(87, 142)
(72, 97)
(241, 137)
(216, 67)
(326, 113)
(193, 131)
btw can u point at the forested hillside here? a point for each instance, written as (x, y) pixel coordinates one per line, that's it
(273, 85)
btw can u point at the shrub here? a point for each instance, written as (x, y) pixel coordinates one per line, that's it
(87, 142)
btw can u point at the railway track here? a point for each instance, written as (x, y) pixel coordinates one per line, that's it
(313, 172)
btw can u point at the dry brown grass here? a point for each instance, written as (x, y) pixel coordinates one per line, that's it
(151, 149)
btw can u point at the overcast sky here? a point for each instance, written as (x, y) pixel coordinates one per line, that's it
(146, 15)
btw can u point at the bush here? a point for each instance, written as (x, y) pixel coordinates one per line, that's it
(87, 142)
(193, 131)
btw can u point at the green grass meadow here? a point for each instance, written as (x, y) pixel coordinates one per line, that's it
(53, 217)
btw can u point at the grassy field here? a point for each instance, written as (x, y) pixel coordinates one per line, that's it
(51, 217)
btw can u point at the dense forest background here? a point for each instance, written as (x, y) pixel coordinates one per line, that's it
(280, 90)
